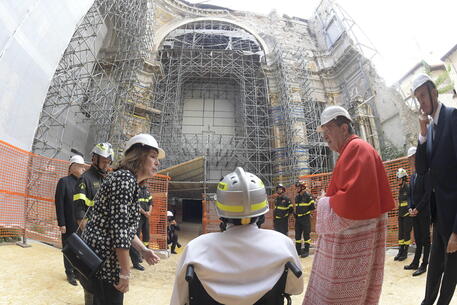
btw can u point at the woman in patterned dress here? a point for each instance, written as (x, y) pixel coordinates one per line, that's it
(111, 230)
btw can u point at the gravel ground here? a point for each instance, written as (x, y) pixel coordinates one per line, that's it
(35, 276)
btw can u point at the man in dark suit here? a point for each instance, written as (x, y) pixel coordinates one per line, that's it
(437, 153)
(64, 207)
(419, 210)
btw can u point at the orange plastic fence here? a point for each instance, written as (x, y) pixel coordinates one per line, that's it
(27, 188)
(315, 184)
(158, 187)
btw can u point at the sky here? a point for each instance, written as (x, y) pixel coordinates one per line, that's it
(402, 31)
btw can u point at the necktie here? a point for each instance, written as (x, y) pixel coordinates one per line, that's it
(429, 142)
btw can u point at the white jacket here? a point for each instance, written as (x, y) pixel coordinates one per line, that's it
(238, 266)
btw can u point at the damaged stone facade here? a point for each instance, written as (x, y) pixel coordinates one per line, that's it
(307, 64)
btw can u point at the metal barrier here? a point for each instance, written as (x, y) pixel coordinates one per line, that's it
(315, 184)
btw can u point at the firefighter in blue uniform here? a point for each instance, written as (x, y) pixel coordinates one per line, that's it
(304, 204)
(283, 208)
(405, 222)
(83, 198)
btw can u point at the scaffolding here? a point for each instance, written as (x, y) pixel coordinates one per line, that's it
(212, 56)
(299, 149)
(98, 81)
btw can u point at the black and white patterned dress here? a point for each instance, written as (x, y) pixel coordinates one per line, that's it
(114, 221)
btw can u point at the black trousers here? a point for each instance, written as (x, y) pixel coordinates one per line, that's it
(134, 255)
(143, 228)
(421, 225)
(69, 271)
(442, 271)
(405, 225)
(302, 228)
(107, 294)
(281, 225)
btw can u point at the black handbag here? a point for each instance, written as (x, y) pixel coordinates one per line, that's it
(81, 256)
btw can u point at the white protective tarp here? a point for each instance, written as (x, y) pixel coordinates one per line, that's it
(33, 36)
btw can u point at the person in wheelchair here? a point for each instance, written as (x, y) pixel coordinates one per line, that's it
(243, 263)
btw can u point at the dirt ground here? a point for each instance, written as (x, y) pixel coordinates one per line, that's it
(35, 276)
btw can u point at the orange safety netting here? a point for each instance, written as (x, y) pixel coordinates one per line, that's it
(27, 189)
(315, 184)
(158, 187)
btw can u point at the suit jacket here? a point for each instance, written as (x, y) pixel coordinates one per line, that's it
(64, 203)
(418, 198)
(440, 167)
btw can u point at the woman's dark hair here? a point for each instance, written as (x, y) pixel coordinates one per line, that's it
(134, 158)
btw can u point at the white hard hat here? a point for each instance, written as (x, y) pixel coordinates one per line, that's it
(332, 112)
(401, 173)
(104, 149)
(419, 80)
(77, 159)
(280, 186)
(241, 195)
(169, 214)
(145, 139)
(412, 151)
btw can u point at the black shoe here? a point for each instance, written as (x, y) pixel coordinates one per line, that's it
(404, 255)
(174, 252)
(399, 254)
(71, 279)
(138, 267)
(304, 254)
(412, 266)
(422, 269)
(179, 245)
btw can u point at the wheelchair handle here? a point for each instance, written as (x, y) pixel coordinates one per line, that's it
(190, 273)
(294, 268)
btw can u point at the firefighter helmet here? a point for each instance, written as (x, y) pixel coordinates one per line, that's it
(145, 140)
(104, 149)
(401, 173)
(300, 184)
(241, 195)
(170, 214)
(280, 186)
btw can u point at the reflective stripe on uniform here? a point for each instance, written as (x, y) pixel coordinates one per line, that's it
(407, 242)
(298, 241)
(303, 204)
(83, 197)
(401, 241)
(283, 208)
(279, 217)
(145, 199)
(307, 213)
(404, 204)
(308, 241)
